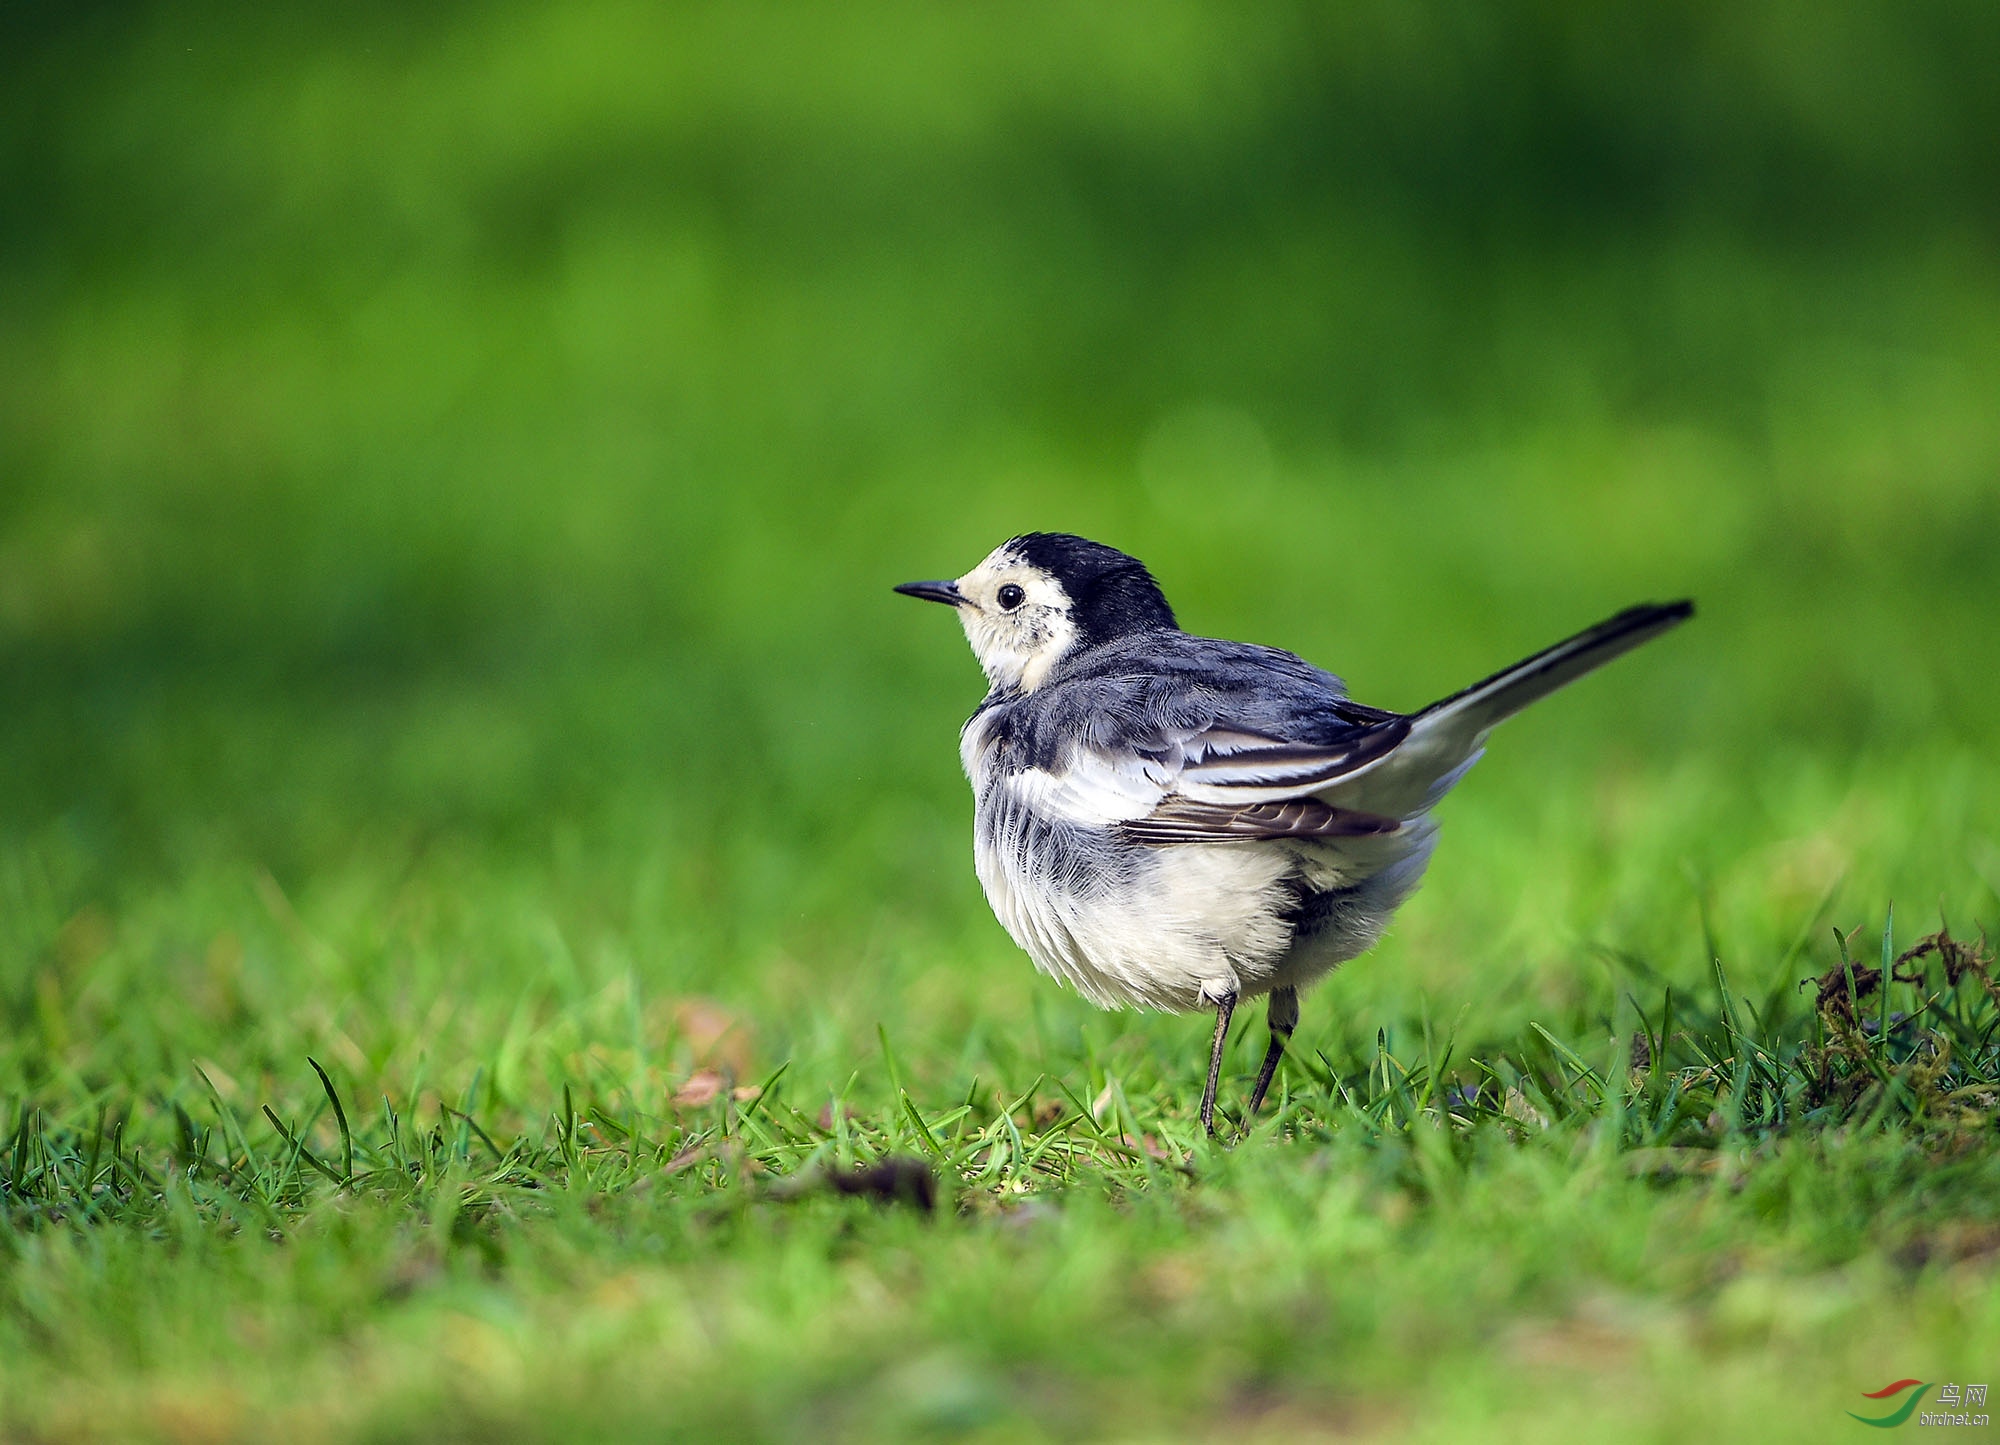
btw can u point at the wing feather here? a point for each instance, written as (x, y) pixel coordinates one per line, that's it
(1278, 771)
(1182, 820)
(1235, 749)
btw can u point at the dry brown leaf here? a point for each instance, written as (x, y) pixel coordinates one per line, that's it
(715, 1036)
(701, 1089)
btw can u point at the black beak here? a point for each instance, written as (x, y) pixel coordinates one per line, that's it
(946, 592)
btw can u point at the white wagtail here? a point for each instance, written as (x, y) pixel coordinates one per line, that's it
(1181, 823)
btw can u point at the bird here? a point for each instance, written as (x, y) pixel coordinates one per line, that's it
(1181, 823)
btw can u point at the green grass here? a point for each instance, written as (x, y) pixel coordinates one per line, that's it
(451, 472)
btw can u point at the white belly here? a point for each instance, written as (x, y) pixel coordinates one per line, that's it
(1194, 924)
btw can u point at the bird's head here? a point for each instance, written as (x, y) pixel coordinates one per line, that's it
(1044, 597)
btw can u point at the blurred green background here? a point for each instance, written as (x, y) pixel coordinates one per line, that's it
(452, 467)
(453, 461)
(484, 439)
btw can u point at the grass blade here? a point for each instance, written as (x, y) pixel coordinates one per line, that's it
(340, 1117)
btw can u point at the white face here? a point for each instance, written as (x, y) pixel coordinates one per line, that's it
(1017, 618)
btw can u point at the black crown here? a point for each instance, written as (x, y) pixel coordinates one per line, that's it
(1111, 594)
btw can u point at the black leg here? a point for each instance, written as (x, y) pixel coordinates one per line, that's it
(1284, 1017)
(1223, 1009)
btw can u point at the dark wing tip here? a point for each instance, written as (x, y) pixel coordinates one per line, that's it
(1182, 820)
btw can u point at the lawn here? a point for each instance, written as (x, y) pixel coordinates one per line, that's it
(485, 880)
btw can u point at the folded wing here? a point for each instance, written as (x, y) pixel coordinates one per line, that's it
(1224, 784)
(1182, 820)
(1369, 774)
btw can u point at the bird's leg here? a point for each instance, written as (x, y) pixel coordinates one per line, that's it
(1224, 1007)
(1283, 1018)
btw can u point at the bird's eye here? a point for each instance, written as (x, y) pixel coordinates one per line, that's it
(1011, 596)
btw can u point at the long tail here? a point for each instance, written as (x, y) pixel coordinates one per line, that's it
(1479, 707)
(1446, 738)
